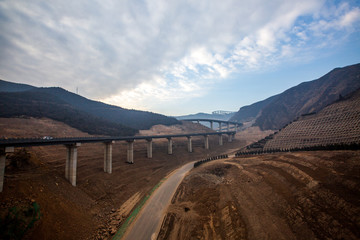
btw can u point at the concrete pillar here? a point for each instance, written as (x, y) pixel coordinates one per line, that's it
(3, 152)
(220, 126)
(206, 141)
(198, 121)
(108, 157)
(149, 148)
(230, 137)
(211, 125)
(228, 127)
(189, 144)
(220, 140)
(2, 168)
(170, 142)
(130, 151)
(71, 162)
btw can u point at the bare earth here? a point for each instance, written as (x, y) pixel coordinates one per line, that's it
(304, 195)
(100, 202)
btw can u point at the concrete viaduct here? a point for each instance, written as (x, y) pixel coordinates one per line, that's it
(236, 125)
(8, 145)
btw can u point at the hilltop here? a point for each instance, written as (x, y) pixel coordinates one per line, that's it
(307, 97)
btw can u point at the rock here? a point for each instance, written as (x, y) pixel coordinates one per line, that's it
(113, 231)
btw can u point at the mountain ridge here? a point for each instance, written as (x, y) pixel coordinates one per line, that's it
(306, 97)
(61, 105)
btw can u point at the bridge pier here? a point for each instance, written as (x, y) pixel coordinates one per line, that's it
(230, 137)
(108, 157)
(206, 141)
(220, 126)
(170, 143)
(211, 125)
(149, 147)
(3, 153)
(130, 151)
(71, 162)
(189, 144)
(228, 127)
(220, 140)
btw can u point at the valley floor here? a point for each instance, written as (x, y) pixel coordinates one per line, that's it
(100, 202)
(304, 195)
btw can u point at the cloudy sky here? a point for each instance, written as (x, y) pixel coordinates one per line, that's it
(176, 56)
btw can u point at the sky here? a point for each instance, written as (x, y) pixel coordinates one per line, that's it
(176, 57)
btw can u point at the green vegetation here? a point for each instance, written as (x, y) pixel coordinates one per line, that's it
(134, 213)
(18, 220)
(20, 158)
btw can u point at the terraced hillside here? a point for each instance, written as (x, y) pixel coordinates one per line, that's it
(308, 195)
(338, 123)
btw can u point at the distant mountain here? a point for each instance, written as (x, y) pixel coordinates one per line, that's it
(224, 117)
(79, 112)
(250, 112)
(307, 97)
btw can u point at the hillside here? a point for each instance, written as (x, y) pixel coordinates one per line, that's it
(28, 127)
(307, 97)
(308, 195)
(87, 115)
(338, 123)
(250, 112)
(130, 118)
(40, 105)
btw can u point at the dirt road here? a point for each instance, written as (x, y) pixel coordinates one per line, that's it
(149, 219)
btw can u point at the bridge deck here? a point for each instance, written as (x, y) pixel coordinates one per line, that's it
(210, 120)
(27, 142)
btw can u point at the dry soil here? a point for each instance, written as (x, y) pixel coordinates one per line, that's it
(304, 195)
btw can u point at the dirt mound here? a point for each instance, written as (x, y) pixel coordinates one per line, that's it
(36, 128)
(312, 195)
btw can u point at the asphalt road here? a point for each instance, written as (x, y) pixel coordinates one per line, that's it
(147, 224)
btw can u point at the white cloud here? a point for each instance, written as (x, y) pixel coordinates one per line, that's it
(140, 53)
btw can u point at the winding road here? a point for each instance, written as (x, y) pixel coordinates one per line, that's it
(147, 223)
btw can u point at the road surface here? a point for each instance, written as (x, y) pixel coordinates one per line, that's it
(148, 221)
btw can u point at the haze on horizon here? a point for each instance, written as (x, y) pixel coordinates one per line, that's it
(176, 57)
